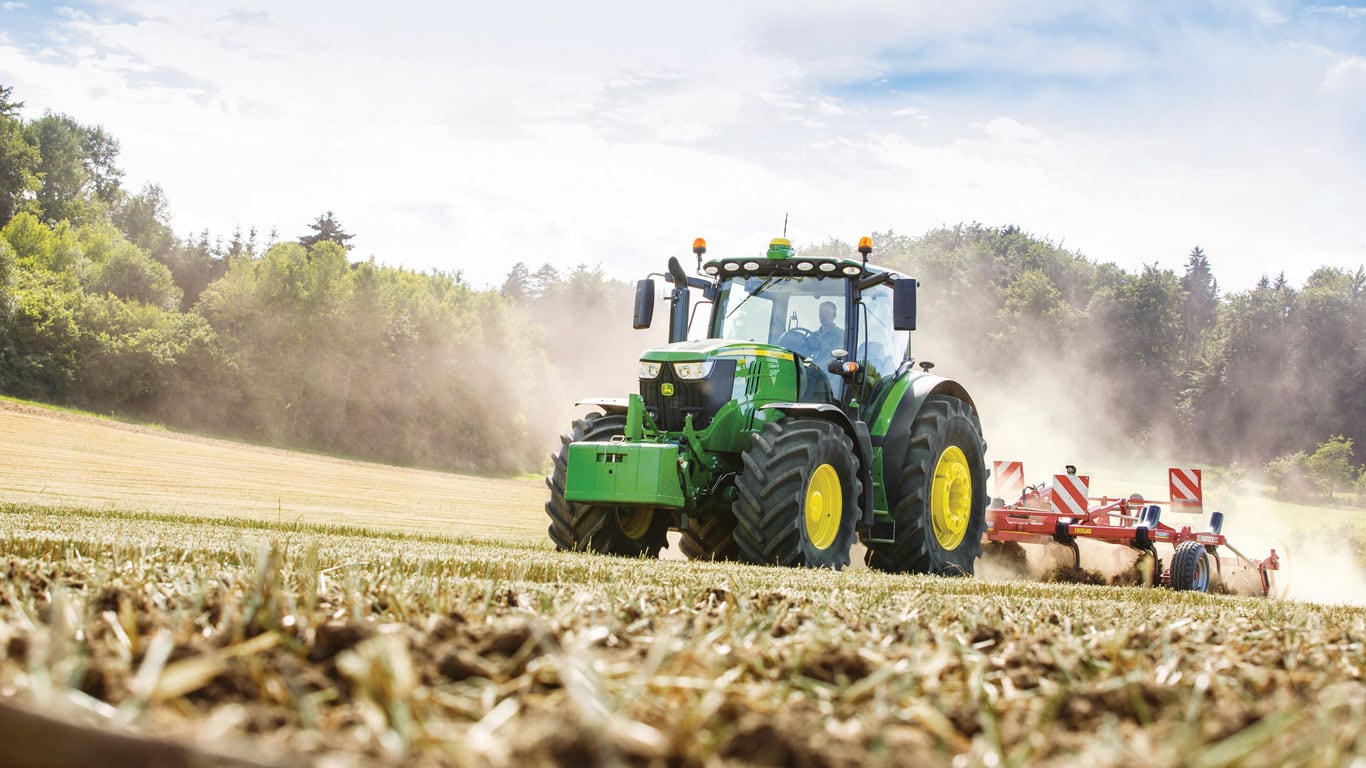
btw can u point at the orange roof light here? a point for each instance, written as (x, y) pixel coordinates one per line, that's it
(865, 245)
(699, 246)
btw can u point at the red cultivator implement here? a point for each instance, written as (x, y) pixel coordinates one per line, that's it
(1064, 512)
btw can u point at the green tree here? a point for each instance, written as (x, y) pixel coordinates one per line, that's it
(19, 160)
(128, 351)
(38, 247)
(43, 348)
(1290, 474)
(130, 274)
(1331, 465)
(1032, 305)
(1140, 337)
(1200, 305)
(6, 265)
(194, 265)
(543, 281)
(9, 108)
(1250, 403)
(100, 151)
(6, 278)
(1325, 336)
(145, 219)
(517, 286)
(326, 230)
(76, 185)
(241, 247)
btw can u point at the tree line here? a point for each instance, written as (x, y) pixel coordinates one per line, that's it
(291, 342)
(1275, 373)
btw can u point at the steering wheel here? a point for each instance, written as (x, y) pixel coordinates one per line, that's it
(800, 341)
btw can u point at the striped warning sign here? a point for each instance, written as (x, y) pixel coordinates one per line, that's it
(1186, 495)
(1069, 494)
(1009, 479)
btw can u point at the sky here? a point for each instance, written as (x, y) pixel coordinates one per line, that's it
(464, 136)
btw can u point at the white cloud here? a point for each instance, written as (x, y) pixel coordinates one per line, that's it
(1346, 76)
(1341, 11)
(468, 137)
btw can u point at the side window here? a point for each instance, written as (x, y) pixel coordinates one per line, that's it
(879, 343)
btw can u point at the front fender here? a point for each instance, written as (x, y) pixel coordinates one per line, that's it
(857, 432)
(607, 404)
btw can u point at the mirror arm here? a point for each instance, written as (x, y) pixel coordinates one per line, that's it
(878, 279)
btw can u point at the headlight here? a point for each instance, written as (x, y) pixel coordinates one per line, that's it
(693, 370)
(649, 370)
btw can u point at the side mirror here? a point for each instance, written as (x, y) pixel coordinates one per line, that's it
(903, 304)
(645, 304)
(680, 278)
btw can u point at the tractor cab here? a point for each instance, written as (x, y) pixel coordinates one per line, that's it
(843, 324)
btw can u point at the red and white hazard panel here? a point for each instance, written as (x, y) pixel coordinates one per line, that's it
(1186, 494)
(1009, 479)
(1069, 494)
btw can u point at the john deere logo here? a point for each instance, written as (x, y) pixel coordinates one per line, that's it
(666, 390)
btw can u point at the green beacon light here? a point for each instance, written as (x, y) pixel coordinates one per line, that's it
(779, 248)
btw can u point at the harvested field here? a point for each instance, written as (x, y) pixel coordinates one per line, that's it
(160, 608)
(62, 459)
(286, 646)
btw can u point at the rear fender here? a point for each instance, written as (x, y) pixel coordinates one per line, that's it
(892, 426)
(857, 432)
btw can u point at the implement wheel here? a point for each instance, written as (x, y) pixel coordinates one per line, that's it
(939, 494)
(1190, 568)
(799, 496)
(609, 530)
(710, 538)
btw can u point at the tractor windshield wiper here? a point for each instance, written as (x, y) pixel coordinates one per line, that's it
(766, 283)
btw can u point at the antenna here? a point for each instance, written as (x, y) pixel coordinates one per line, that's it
(784, 225)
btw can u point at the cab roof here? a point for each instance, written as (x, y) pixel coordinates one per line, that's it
(812, 266)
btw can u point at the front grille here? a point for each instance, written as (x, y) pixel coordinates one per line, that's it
(701, 398)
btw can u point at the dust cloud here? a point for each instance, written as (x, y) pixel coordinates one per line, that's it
(1322, 550)
(1046, 407)
(594, 353)
(1049, 407)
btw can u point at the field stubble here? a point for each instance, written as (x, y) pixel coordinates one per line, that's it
(297, 644)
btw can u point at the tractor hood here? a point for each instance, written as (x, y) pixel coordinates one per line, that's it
(709, 349)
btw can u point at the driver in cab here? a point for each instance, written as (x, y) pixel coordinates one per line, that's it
(829, 336)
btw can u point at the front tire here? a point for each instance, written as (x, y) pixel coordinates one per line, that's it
(608, 530)
(940, 501)
(799, 496)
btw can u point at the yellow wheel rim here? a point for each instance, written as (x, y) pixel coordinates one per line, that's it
(824, 506)
(951, 498)
(635, 522)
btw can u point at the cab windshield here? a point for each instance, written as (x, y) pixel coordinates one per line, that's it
(806, 314)
(803, 314)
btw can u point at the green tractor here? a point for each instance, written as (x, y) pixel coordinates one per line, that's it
(799, 423)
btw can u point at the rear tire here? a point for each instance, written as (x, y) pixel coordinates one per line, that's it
(945, 459)
(799, 496)
(608, 530)
(1190, 568)
(710, 538)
